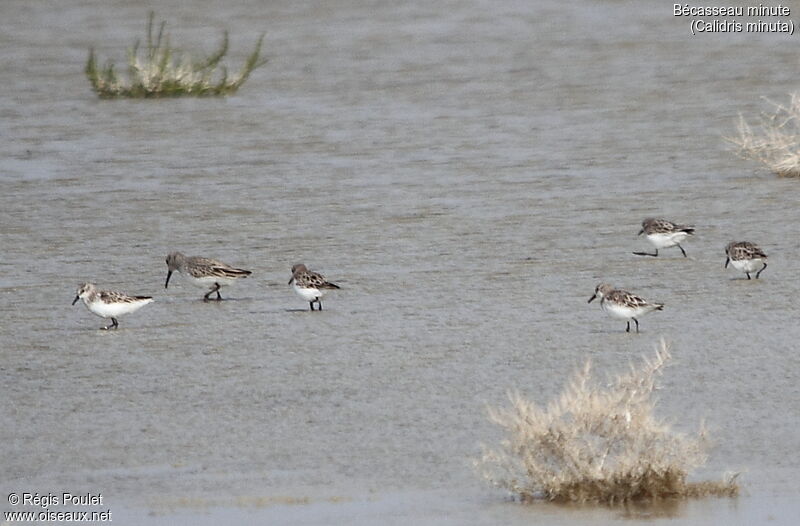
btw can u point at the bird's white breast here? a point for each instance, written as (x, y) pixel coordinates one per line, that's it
(747, 265)
(618, 310)
(208, 282)
(666, 240)
(308, 294)
(112, 310)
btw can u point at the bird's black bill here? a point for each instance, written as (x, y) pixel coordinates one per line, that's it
(169, 275)
(727, 260)
(76, 300)
(592, 298)
(640, 232)
(290, 281)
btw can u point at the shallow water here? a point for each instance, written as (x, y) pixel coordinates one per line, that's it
(466, 171)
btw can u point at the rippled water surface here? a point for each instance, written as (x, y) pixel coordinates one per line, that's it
(466, 171)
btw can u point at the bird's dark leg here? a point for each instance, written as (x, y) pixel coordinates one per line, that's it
(637, 325)
(762, 270)
(319, 302)
(212, 291)
(748, 275)
(647, 254)
(311, 304)
(628, 327)
(682, 250)
(114, 324)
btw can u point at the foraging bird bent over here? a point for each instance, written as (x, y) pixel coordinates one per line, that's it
(745, 257)
(622, 304)
(204, 273)
(664, 234)
(309, 285)
(108, 303)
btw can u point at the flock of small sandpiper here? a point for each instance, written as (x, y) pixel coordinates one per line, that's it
(212, 275)
(208, 274)
(743, 255)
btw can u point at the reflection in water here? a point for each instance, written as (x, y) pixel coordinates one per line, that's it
(520, 147)
(661, 509)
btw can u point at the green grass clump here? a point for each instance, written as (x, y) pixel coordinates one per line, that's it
(598, 444)
(161, 72)
(774, 140)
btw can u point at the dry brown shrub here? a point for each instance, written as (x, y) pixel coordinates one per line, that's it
(598, 444)
(775, 138)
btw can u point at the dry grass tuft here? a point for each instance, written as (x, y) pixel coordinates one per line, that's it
(158, 73)
(598, 444)
(775, 139)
